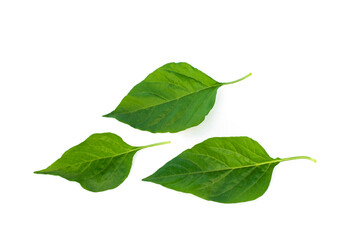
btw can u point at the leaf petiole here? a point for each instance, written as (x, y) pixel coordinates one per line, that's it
(298, 157)
(238, 79)
(154, 144)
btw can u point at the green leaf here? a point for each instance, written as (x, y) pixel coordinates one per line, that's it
(221, 169)
(101, 162)
(174, 97)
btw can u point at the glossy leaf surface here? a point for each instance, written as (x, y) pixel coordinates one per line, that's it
(101, 162)
(221, 169)
(173, 98)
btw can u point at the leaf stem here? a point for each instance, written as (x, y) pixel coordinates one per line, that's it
(299, 157)
(155, 144)
(238, 79)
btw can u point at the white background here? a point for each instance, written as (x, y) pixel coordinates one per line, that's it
(63, 64)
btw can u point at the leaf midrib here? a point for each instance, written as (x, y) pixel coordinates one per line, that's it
(90, 161)
(220, 170)
(175, 99)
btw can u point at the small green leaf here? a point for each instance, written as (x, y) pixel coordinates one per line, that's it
(101, 162)
(173, 98)
(221, 169)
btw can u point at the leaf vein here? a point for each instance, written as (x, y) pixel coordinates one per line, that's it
(219, 170)
(175, 99)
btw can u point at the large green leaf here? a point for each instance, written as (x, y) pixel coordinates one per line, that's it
(101, 162)
(174, 97)
(221, 169)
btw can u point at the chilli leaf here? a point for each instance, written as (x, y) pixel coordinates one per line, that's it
(173, 98)
(101, 162)
(221, 169)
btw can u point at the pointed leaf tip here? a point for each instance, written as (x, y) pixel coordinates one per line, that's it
(107, 115)
(40, 171)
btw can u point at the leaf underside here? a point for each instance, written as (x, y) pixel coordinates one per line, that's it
(103, 161)
(173, 98)
(221, 169)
